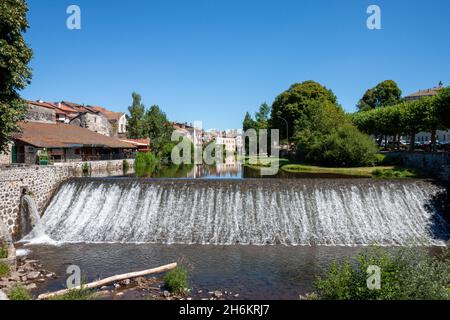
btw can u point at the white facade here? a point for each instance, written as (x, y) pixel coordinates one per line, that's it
(441, 136)
(122, 124)
(228, 143)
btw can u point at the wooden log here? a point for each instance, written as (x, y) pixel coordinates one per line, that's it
(109, 280)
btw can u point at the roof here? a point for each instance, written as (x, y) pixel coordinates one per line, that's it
(47, 105)
(425, 93)
(49, 135)
(110, 115)
(138, 142)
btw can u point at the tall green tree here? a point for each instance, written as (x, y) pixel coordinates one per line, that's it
(262, 117)
(15, 73)
(159, 130)
(442, 104)
(292, 106)
(248, 123)
(386, 93)
(136, 121)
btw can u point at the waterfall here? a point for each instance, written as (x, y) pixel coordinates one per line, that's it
(257, 212)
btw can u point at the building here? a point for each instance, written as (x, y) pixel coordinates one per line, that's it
(65, 143)
(228, 143)
(423, 93)
(118, 121)
(425, 137)
(195, 135)
(93, 121)
(142, 145)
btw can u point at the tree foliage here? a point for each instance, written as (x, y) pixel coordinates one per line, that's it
(158, 128)
(135, 128)
(14, 71)
(293, 105)
(386, 93)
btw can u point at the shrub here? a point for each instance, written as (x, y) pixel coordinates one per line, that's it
(76, 294)
(3, 250)
(18, 292)
(125, 166)
(4, 270)
(146, 163)
(176, 280)
(85, 169)
(347, 147)
(408, 274)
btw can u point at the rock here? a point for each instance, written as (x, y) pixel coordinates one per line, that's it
(236, 295)
(24, 279)
(3, 296)
(218, 294)
(41, 280)
(126, 282)
(189, 299)
(104, 288)
(200, 291)
(49, 275)
(166, 294)
(33, 275)
(31, 286)
(119, 294)
(116, 286)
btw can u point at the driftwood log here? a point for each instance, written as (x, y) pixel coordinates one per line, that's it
(109, 280)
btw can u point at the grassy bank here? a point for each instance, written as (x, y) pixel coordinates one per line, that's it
(367, 172)
(380, 172)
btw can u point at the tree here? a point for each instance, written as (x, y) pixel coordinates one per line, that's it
(442, 104)
(248, 123)
(262, 117)
(15, 74)
(386, 93)
(159, 130)
(135, 128)
(292, 105)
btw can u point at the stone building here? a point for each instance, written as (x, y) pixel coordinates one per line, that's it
(66, 143)
(93, 121)
(118, 121)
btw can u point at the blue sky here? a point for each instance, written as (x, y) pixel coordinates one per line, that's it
(213, 60)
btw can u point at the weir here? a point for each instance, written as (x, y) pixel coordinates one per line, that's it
(343, 212)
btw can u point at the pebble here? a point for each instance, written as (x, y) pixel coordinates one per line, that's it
(218, 294)
(3, 296)
(166, 294)
(33, 275)
(119, 294)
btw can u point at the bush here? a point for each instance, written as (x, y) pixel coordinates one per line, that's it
(395, 173)
(3, 250)
(347, 147)
(125, 166)
(85, 169)
(76, 294)
(408, 274)
(146, 164)
(4, 270)
(176, 280)
(18, 292)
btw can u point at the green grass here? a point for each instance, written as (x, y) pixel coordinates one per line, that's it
(76, 294)
(18, 292)
(176, 280)
(3, 251)
(4, 270)
(368, 172)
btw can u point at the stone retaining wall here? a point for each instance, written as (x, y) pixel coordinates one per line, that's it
(41, 182)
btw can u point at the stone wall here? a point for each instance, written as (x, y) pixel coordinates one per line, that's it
(6, 158)
(41, 182)
(94, 122)
(434, 163)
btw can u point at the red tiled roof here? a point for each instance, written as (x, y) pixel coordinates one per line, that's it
(425, 93)
(45, 135)
(110, 115)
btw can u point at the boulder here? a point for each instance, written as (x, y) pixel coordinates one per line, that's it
(3, 296)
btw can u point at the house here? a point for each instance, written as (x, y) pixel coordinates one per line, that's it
(65, 143)
(118, 120)
(93, 121)
(142, 145)
(425, 137)
(229, 143)
(195, 135)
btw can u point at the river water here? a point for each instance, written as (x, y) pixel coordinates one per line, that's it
(259, 238)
